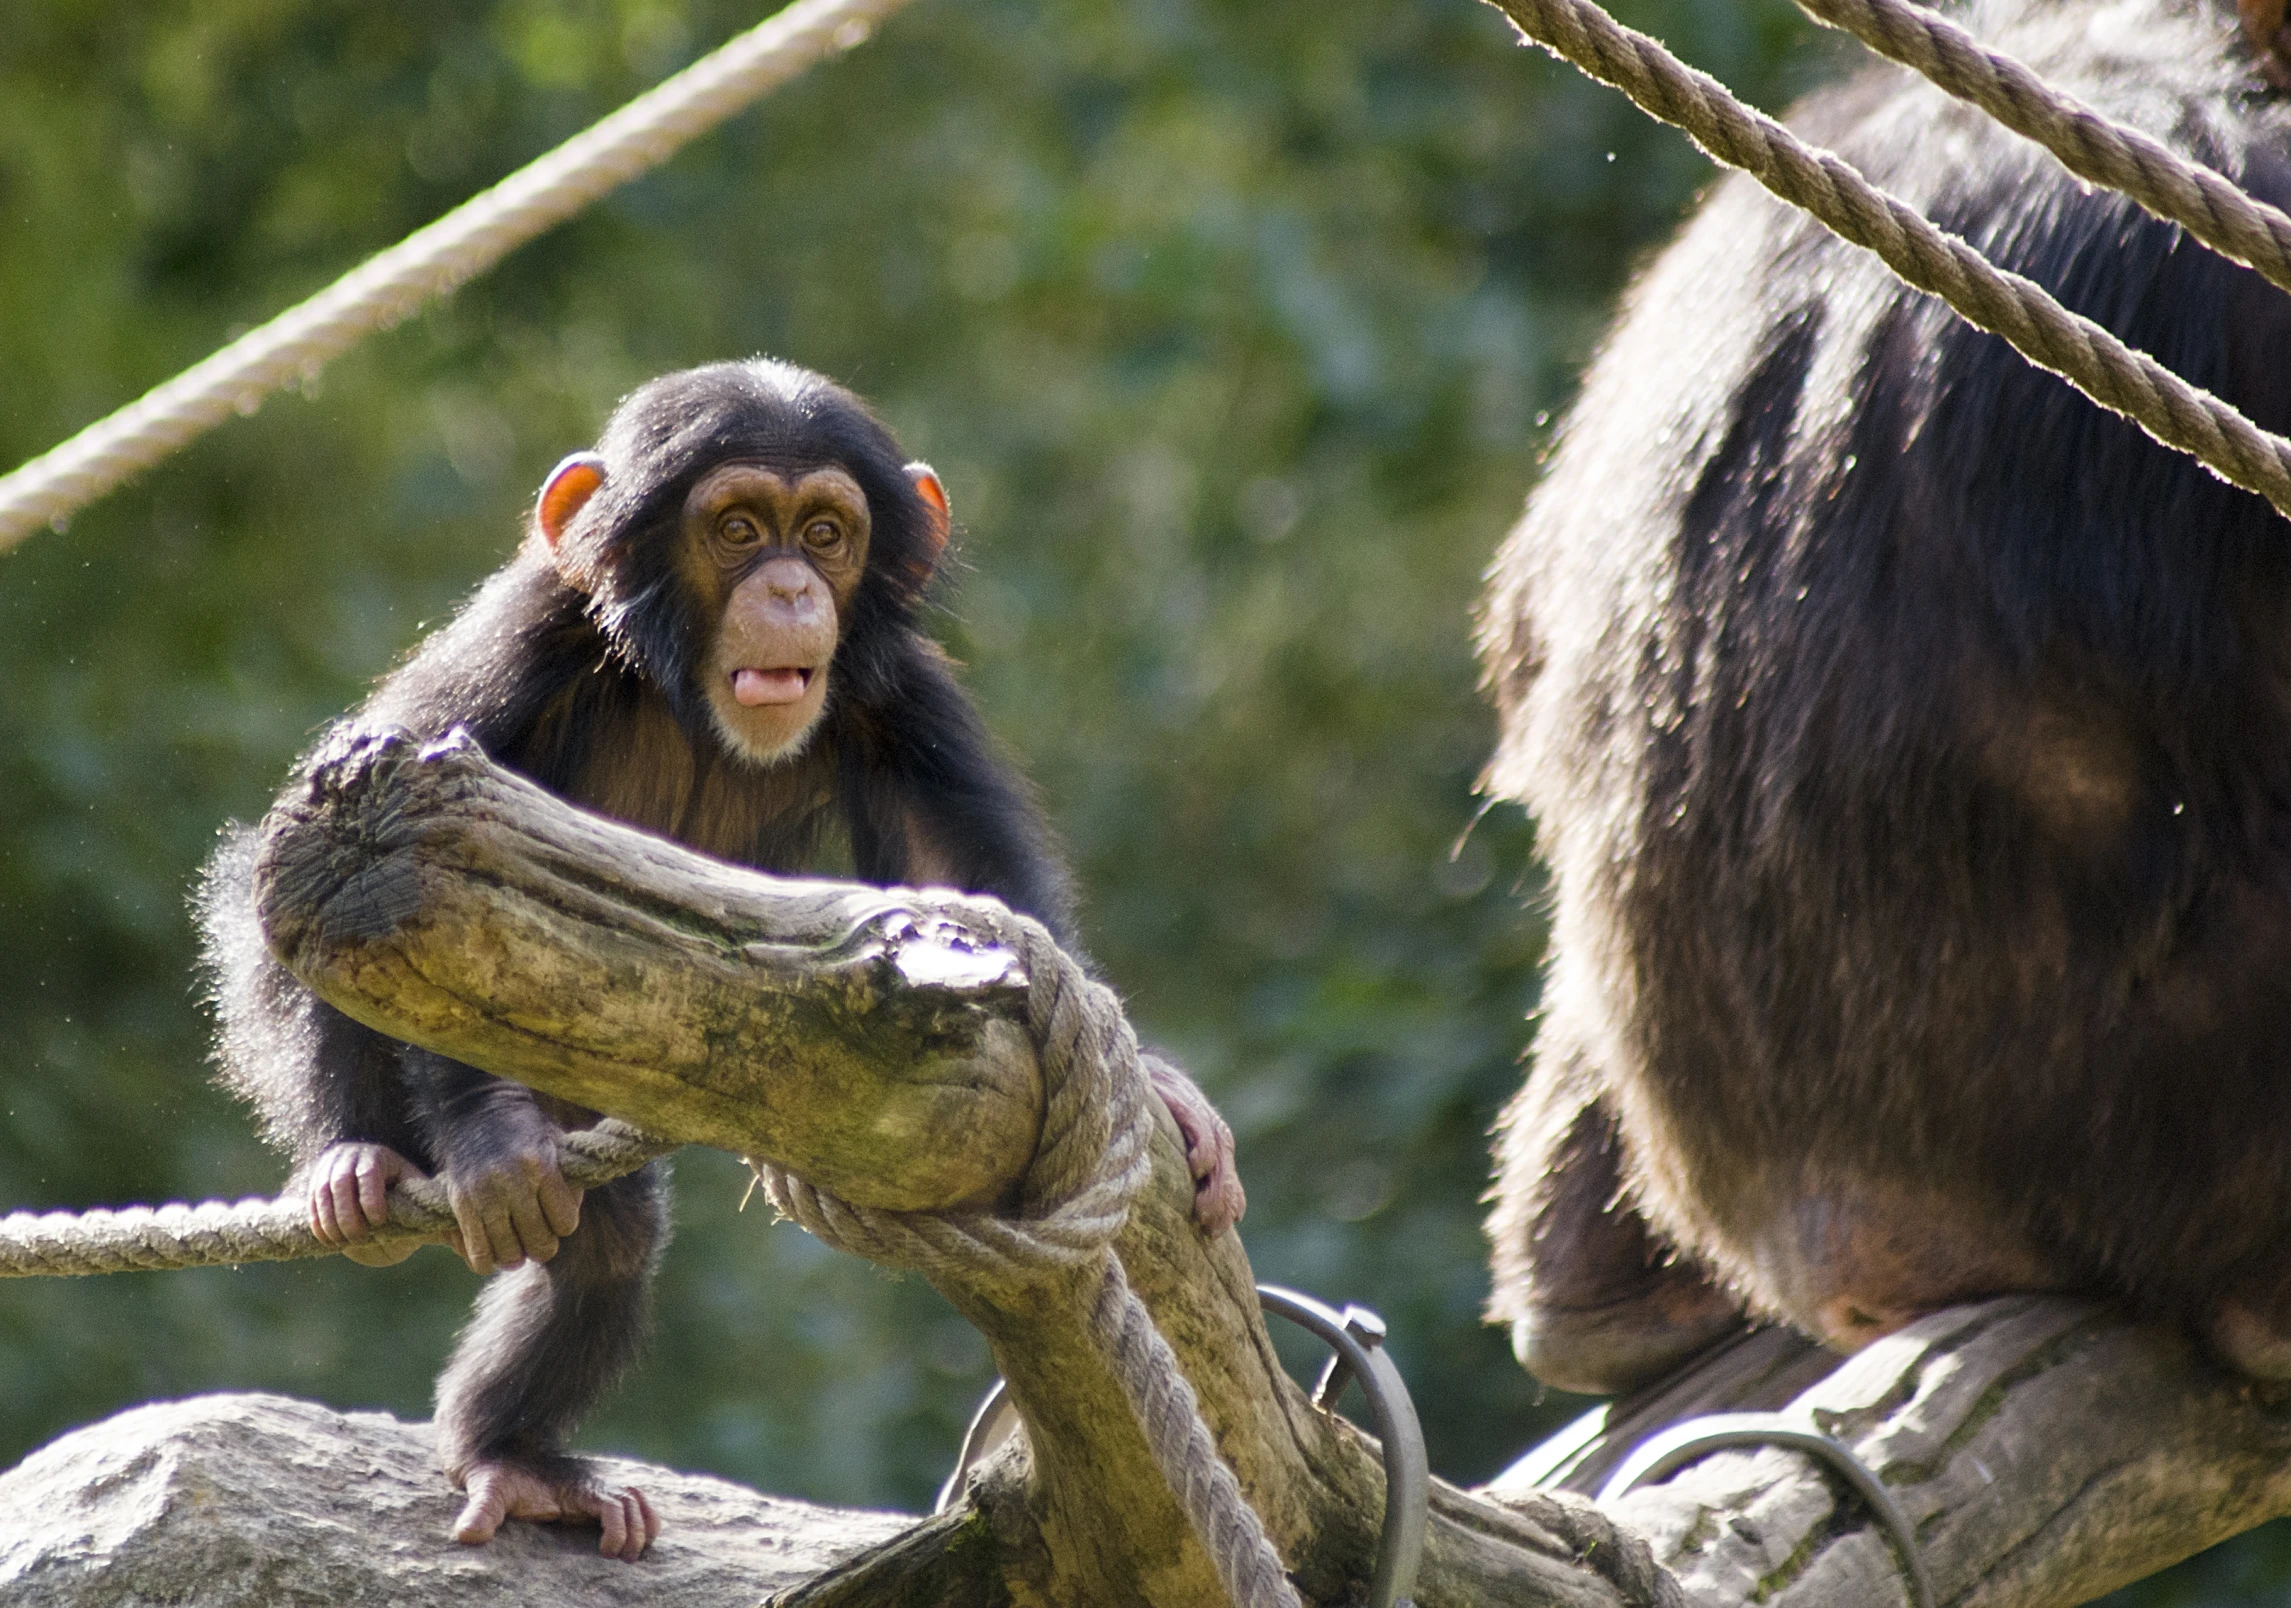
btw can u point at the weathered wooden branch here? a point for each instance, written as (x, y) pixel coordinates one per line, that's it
(872, 1041)
(2047, 1451)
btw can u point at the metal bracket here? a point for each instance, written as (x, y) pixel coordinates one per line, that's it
(1664, 1454)
(995, 1421)
(1356, 1336)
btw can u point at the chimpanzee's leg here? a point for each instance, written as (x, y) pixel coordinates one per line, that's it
(545, 1342)
(1595, 1301)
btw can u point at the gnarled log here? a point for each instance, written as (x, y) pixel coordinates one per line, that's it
(872, 1041)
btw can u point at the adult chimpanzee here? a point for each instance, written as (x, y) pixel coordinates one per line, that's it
(1911, 743)
(710, 632)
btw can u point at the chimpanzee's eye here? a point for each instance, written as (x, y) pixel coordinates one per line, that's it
(822, 534)
(740, 531)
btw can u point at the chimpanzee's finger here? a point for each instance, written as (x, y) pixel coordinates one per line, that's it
(530, 1224)
(343, 1206)
(375, 1175)
(560, 1203)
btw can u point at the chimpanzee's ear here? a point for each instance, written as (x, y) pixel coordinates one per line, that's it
(569, 485)
(934, 497)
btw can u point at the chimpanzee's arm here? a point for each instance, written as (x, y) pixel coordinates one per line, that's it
(330, 1092)
(316, 1077)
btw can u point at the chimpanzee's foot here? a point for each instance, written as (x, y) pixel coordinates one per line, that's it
(1218, 1199)
(1619, 1326)
(507, 1490)
(1596, 1301)
(2253, 1336)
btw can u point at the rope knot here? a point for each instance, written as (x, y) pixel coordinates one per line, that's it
(1090, 1162)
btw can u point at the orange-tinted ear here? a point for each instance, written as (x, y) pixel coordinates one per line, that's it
(934, 497)
(569, 485)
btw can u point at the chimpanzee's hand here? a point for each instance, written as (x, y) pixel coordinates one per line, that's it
(507, 1490)
(508, 1192)
(349, 1189)
(1218, 1199)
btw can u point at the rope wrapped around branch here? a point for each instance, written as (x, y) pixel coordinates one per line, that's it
(1092, 1162)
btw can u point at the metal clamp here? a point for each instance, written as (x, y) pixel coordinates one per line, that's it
(1661, 1455)
(995, 1422)
(1356, 1336)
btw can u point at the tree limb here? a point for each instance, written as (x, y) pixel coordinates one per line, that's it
(872, 1041)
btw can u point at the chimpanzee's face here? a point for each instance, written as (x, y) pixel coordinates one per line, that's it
(771, 559)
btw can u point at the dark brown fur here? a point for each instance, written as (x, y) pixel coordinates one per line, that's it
(583, 668)
(1911, 745)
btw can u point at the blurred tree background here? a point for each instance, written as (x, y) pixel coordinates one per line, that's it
(1234, 330)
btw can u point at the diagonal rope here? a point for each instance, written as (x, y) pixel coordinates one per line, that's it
(2124, 381)
(431, 262)
(2090, 145)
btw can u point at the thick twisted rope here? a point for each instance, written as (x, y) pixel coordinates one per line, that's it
(1090, 1165)
(220, 1233)
(2089, 145)
(430, 262)
(2120, 379)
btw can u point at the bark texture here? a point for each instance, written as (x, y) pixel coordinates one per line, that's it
(871, 1041)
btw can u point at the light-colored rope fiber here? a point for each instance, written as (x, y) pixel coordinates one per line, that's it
(430, 262)
(2089, 145)
(1090, 1164)
(2124, 381)
(221, 1233)
(1092, 1160)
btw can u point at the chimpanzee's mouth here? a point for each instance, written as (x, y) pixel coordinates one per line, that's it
(782, 684)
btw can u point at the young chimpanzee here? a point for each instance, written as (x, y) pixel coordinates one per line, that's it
(709, 632)
(1911, 745)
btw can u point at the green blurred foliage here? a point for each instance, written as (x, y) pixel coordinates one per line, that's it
(1234, 330)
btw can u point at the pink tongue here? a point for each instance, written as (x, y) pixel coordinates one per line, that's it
(752, 687)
